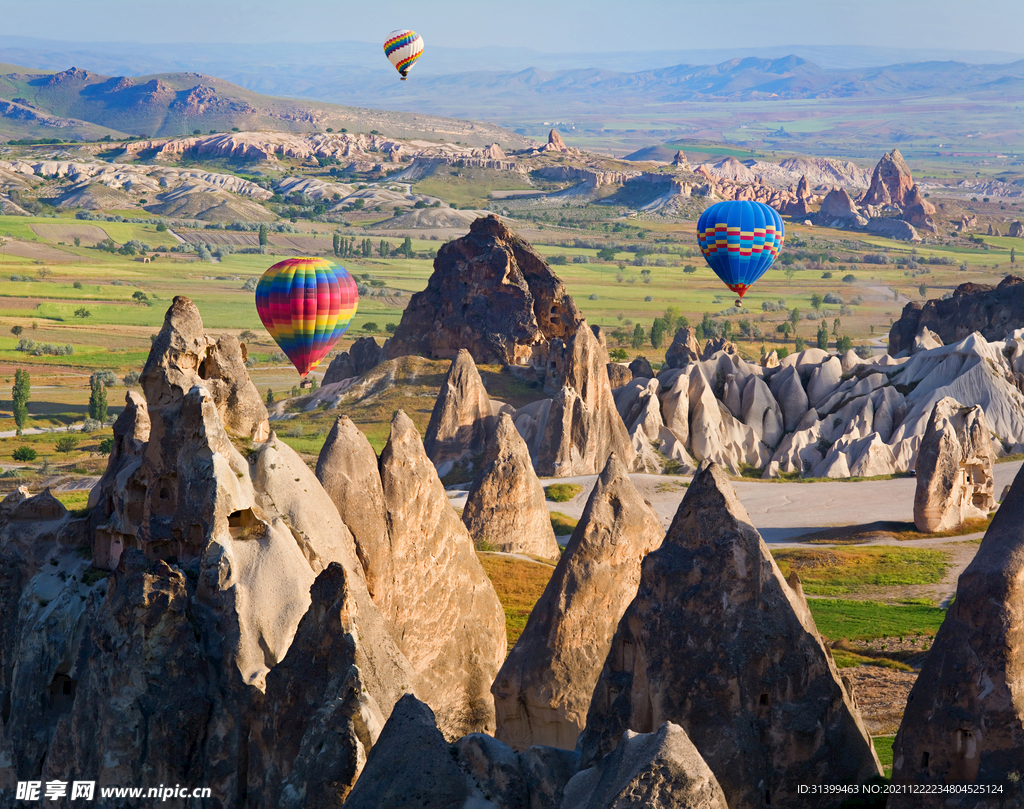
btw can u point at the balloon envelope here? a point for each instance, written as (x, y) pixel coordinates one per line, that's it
(306, 304)
(403, 48)
(740, 240)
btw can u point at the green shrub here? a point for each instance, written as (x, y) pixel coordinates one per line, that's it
(561, 492)
(24, 454)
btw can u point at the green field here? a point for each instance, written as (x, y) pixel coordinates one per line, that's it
(864, 620)
(842, 571)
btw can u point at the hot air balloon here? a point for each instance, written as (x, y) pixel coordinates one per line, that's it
(740, 240)
(306, 304)
(403, 48)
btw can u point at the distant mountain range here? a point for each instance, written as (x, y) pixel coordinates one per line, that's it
(78, 104)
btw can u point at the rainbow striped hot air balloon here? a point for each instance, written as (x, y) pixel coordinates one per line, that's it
(403, 48)
(740, 240)
(306, 304)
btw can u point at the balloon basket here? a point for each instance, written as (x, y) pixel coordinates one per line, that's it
(404, 78)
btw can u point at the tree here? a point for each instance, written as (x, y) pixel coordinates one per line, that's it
(844, 344)
(107, 445)
(336, 239)
(161, 227)
(823, 336)
(689, 268)
(131, 378)
(140, 296)
(406, 247)
(66, 444)
(922, 290)
(799, 343)
(817, 299)
(835, 328)
(98, 401)
(606, 254)
(638, 336)
(370, 326)
(24, 454)
(784, 329)
(270, 396)
(646, 275)
(19, 394)
(82, 312)
(794, 318)
(618, 355)
(16, 330)
(42, 272)
(658, 329)
(263, 235)
(789, 272)
(849, 279)
(1013, 255)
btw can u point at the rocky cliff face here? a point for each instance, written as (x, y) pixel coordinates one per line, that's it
(954, 468)
(543, 690)
(993, 311)
(159, 669)
(506, 508)
(756, 691)
(964, 722)
(444, 614)
(891, 181)
(461, 420)
(492, 295)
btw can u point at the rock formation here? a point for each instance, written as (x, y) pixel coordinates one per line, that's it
(555, 142)
(918, 211)
(362, 356)
(893, 228)
(618, 374)
(445, 615)
(160, 669)
(506, 508)
(1016, 229)
(641, 368)
(954, 468)
(347, 469)
(582, 427)
(492, 294)
(756, 691)
(680, 161)
(964, 722)
(992, 311)
(319, 717)
(891, 181)
(839, 210)
(461, 419)
(660, 770)
(684, 349)
(543, 690)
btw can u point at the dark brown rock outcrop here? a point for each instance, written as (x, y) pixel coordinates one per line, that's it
(445, 615)
(992, 311)
(461, 420)
(492, 294)
(684, 349)
(544, 688)
(964, 721)
(756, 690)
(506, 509)
(891, 181)
(363, 355)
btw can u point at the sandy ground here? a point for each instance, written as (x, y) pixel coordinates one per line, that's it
(782, 512)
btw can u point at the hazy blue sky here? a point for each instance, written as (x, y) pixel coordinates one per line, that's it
(549, 25)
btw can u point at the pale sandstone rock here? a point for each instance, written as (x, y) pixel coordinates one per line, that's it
(506, 506)
(756, 691)
(715, 434)
(544, 687)
(964, 722)
(660, 770)
(444, 615)
(954, 468)
(582, 427)
(347, 469)
(461, 419)
(789, 393)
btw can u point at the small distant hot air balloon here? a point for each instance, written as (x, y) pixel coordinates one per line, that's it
(306, 304)
(740, 240)
(403, 48)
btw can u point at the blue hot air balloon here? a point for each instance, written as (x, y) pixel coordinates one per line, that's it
(740, 240)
